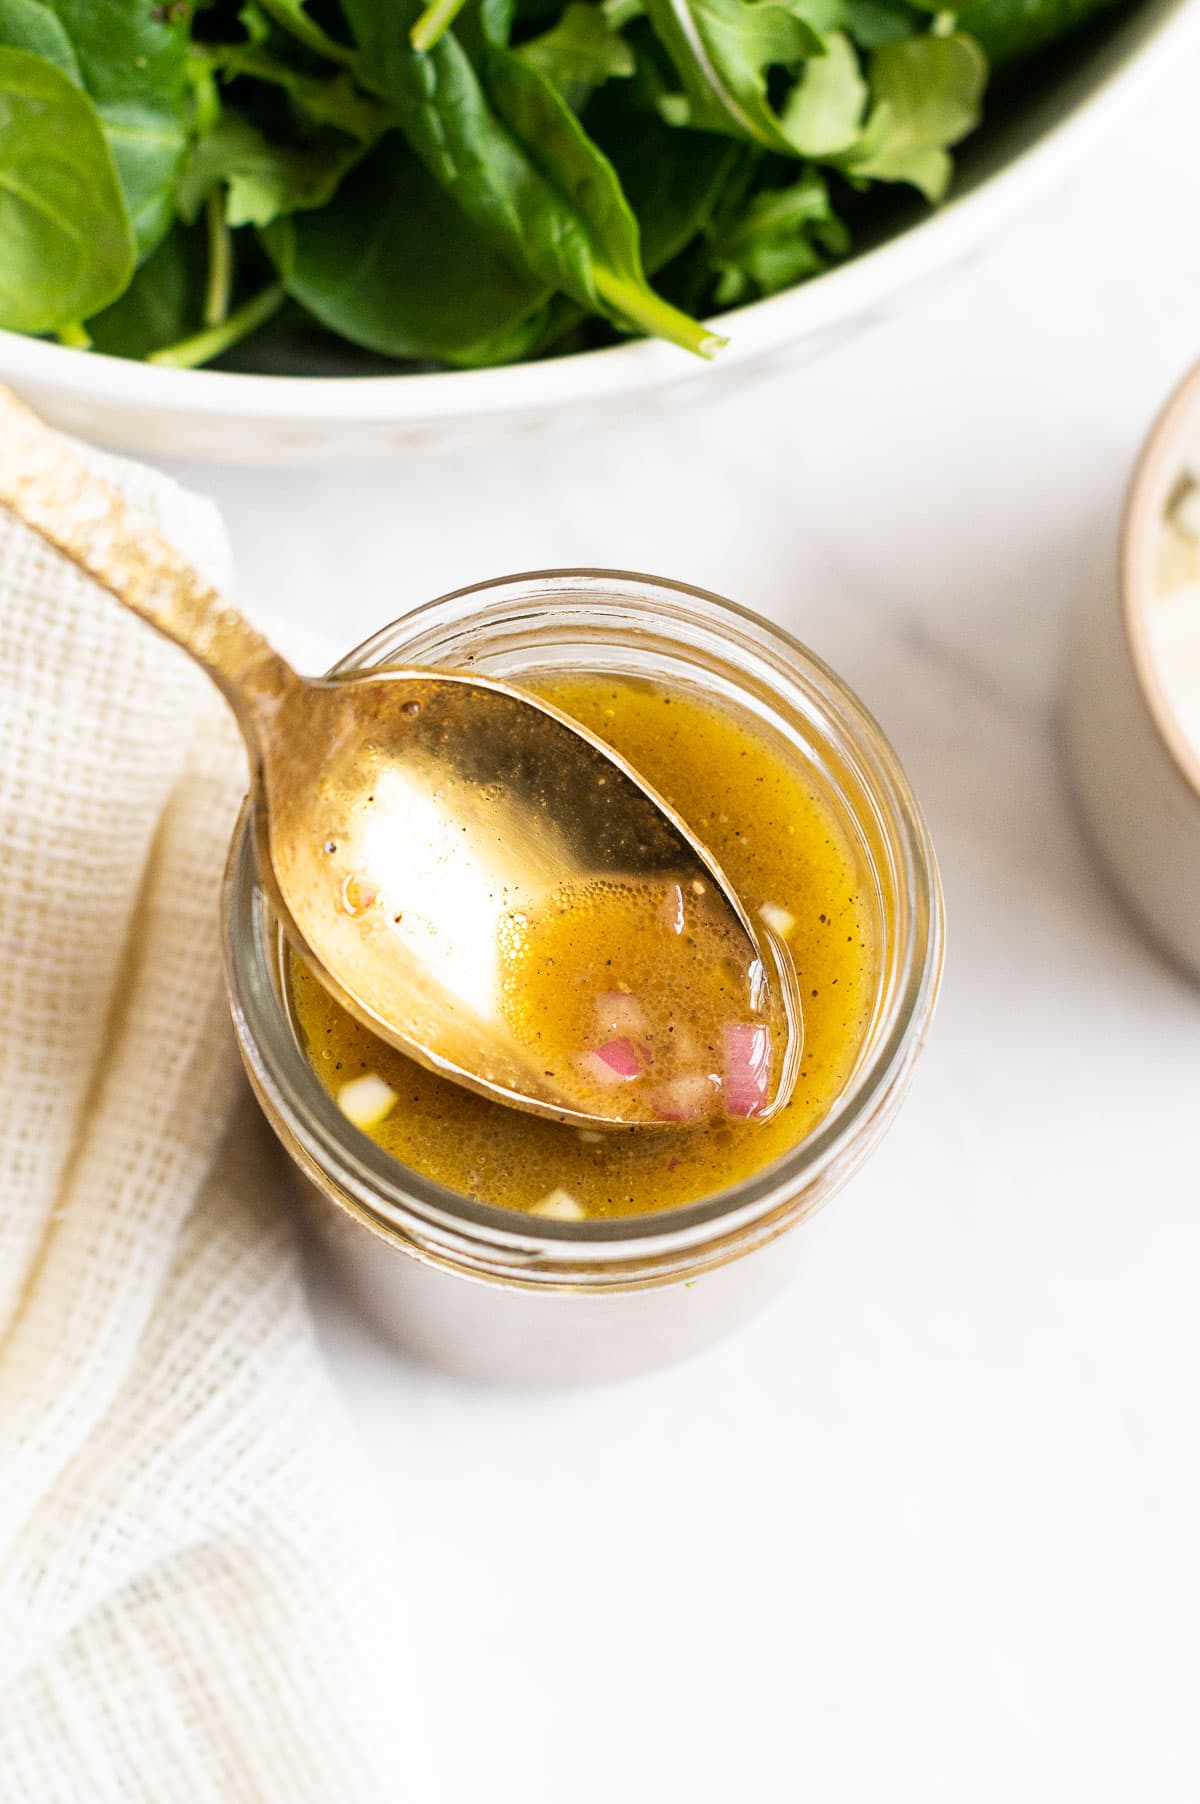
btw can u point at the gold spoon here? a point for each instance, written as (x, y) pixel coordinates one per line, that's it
(399, 815)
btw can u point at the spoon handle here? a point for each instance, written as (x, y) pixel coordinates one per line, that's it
(54, 493)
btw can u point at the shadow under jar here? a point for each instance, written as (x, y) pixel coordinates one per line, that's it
(496, 1293)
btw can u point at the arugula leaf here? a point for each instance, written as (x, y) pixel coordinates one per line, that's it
(30, 25)
(132, 59)
(823, 15)
(924, 91)
(722, 51)
(395, 266)
(1011, 30)
(579, 52)
(66, 247)
(785, 236)
(926, 94)
(871, 23)
(322, 99)
(263, 180)
(293, 17)
(824, 112)
(874, 22)
(513, 156)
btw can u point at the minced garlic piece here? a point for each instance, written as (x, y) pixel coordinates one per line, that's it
(779, 920)
(560, 1205)
(366, 1101)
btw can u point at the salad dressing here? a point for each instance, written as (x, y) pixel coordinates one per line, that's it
(706, 1063)
(645, 992)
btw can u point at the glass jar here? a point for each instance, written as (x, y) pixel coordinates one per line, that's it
(495, 1293)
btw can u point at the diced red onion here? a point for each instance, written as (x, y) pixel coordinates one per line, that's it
(683, 1098)
(614, 1062)
(747, 1068)
(617, 1012)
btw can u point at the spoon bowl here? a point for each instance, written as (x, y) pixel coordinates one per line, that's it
(406, 816)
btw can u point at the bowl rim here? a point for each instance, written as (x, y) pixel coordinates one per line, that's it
(833, 300)
(1141, 524)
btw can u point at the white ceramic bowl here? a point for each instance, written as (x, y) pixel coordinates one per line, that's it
(264, 419)
(1137, 775)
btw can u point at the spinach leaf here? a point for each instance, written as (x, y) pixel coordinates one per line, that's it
(722, 51)
(263, 180)
(515, 159)
(132, 59)
(214, 340)
(30, 25)
(66, 247)
(447, 119)
(527, 338)
(926, 94)
(161, 303)
(436, 19)
(557, 145)
(487, 22)
(579, 52)
(673, 180)
(395, 266)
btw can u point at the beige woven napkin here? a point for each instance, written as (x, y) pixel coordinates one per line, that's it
(181, 1610)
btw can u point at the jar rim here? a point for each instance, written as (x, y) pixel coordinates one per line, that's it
(398, 1198)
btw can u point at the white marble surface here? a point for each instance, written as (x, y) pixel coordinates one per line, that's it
(928, 1530)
